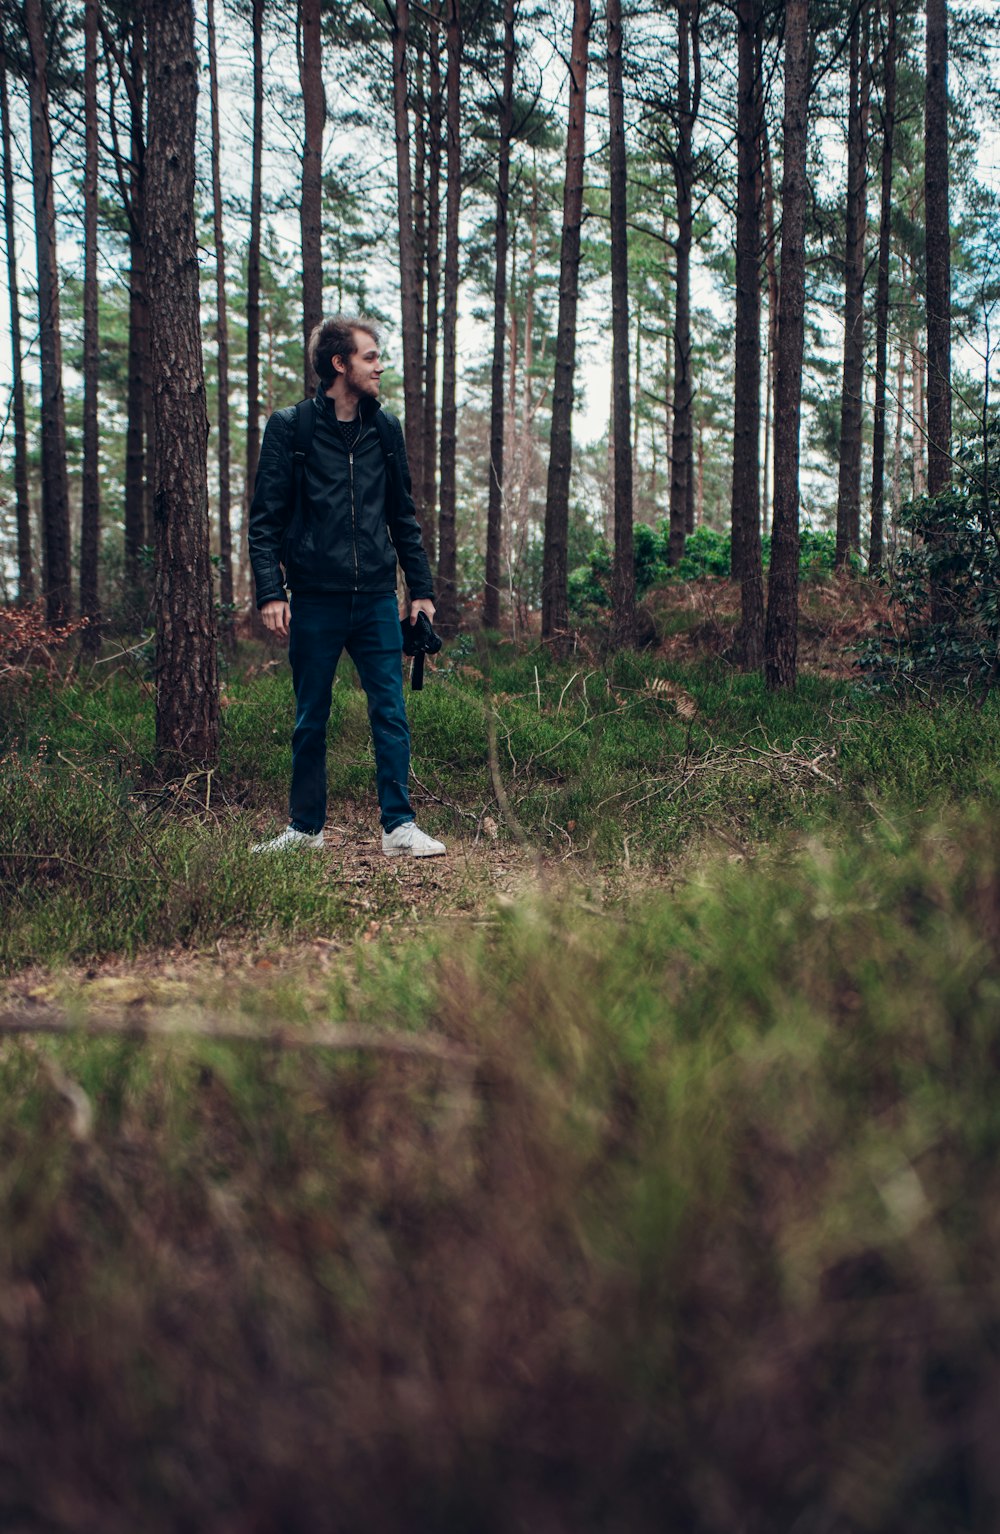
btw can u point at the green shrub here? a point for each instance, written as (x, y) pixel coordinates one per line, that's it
(946, 583)
(707, 553)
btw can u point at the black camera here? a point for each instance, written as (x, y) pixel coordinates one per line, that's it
(419, 639)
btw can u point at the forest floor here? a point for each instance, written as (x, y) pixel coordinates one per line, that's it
(634, 1166)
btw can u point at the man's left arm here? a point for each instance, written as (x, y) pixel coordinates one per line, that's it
(405, 530)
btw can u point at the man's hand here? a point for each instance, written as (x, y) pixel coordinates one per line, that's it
(425, 605)
(276, 616)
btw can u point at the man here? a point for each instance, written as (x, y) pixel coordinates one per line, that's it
(339, 543)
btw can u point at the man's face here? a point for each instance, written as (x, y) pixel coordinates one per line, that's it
(363, 373)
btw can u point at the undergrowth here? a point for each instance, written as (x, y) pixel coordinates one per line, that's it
(636, 759)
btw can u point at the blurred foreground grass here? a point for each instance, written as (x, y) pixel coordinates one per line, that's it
(699, 1230)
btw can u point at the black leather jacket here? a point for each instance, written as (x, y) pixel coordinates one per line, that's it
(350, 527)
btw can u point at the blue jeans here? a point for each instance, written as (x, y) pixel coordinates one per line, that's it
(366, 624)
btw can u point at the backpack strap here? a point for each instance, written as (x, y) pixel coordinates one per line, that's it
(385, 441)
(305, 425)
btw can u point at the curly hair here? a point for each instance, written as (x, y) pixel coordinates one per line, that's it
(334, 337)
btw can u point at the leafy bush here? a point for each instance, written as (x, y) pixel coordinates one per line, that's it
(946, 584)
(707, 553)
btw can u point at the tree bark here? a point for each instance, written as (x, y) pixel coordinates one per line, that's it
(311, 204)
(56, 580)
(90, 511)
(253, 276)
(25, 564)
(919, 453)
(771, 264)
(222, 346)
(555, 573)
(429, 497)
(447, 609)
(494, 518)
(746, 546)
(623, 572)
(187, 685)
(849, 479)
(876, 544)
(781, 633)
(687, 111)
(936, 212)
(408, 283)
(139, 428)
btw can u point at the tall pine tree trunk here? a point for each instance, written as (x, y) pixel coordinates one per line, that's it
(623, 574)
(771, 265)
(919, 452)
(494, 520)
(139, 426)
(187, 684)
(253, 277)
(408, 283)
(849, 480)
(446, 598)
(434, 112)
(876, 545)
(90, 512)
(311, 204)
(25, 564)
(936, 212)
(55, 487)
(555, 557)
(222, 345)
(681, 485)
(781, 633)
(746, 556)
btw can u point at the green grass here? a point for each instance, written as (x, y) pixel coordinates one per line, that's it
(596, 763)
(706, 1240)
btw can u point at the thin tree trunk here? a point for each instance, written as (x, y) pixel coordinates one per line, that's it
(25, 564)
(781, 633)
(138, 431)
(446, 597)
(420, 206)
(90, 512)
(919, 421)
(849, 479)
(936, 213)
(897, 462)
(429, 498)
(253, 272)
(876, 549)
(222, 343)
(494, 522)
(771, 264)
(311, 204)
(56, 585)
(555, 573)
(408, 285)
(623, 627)
(687, 112)
(746, 546)
(187, 684)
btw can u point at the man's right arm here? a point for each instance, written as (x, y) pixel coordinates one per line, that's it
(269, 508)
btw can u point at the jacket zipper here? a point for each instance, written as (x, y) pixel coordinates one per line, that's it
(354, 518)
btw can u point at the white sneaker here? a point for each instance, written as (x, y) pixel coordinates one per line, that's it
(291, 838)
(410, 839)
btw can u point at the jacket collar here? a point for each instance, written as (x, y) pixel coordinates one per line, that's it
(367, 408)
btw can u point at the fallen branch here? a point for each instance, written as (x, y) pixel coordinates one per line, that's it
(343, 1038)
